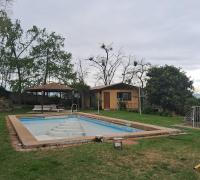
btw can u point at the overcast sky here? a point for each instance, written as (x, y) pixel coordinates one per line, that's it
(161, 31)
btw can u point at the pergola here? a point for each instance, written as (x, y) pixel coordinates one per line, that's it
(50, 87)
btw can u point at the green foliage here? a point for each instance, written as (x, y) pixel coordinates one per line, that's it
(3, 92)
(168, 87)
(191, 101)
(51, 59)
(151, 109)
(15, 47)
(28, 58)
(147, 108)
(165, 113)
(80, 86)
(5, 22)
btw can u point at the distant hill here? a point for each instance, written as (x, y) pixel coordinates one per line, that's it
(197, 95)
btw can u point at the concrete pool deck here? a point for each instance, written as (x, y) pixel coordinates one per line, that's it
(29, 141)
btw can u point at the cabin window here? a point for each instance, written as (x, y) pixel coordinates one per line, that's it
(124, 96)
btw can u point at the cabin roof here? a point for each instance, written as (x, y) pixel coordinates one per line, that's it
(113, 86)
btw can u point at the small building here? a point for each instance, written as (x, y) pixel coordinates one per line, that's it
(115, 96)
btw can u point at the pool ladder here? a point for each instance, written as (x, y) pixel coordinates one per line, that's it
(76, 108)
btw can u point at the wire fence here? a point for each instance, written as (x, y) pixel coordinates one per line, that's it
(193, 116)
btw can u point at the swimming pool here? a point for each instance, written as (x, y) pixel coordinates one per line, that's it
(49, 128)
(44, 130)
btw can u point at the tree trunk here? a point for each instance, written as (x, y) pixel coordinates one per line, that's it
(20, 84)
(46, 68)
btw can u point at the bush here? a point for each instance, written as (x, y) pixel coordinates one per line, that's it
(165, 113)
(133, 110)
(3, 92)
(191, 101)
(148, 108)
(121, 105)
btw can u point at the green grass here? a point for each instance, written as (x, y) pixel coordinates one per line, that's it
(157, 158)
(150, 119)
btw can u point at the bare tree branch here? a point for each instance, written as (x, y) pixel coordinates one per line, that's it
(106, 65)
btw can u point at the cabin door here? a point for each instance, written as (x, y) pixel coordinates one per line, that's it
(106, 100)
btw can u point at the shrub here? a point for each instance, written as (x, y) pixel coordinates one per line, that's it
(121, 105)
(148, 108)
(3, 92)
(165, 113)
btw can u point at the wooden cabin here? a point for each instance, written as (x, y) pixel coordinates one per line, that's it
(115, 96)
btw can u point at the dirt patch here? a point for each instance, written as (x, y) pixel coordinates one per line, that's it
(153, 156)
(129, 142)
(13, 137)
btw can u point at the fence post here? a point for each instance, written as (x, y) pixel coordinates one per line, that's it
(193, 109)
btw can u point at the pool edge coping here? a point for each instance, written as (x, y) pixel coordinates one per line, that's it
(29, 141)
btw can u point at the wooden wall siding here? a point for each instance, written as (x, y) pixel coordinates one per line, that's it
(133, 104)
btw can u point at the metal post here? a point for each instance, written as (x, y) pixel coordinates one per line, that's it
(140, 110)
(98, 103)
(72, 97)
(197, 109)
(43, 95)
(36, 97)
(193, 109)
(60, 99)
(197, 112)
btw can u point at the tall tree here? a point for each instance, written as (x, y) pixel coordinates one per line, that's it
(141, 70)
(134, 72)
(127, 66)
(19, 44)
(80, 83)
(82, 72)
(52, 60)
(106, 65)
(168, 87)
(5, 71)
(15, 48)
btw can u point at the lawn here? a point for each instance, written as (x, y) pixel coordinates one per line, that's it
(157, 158)
(150, 119)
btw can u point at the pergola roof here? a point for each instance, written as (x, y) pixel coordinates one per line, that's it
(51, 87)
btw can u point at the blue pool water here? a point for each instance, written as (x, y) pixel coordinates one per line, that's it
(50, 128)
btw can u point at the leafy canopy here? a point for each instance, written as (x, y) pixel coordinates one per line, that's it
(52, 61)
(168, 87)
(31, 57)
